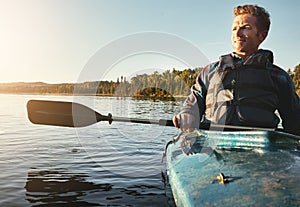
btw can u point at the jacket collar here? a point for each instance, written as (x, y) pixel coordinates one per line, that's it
(259, 58)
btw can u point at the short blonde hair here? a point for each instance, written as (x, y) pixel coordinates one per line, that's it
(262, 16)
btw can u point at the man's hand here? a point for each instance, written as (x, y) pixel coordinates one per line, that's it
(185, 121)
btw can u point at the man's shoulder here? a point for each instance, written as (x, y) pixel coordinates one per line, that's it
(224, 61)
(212, 67)
(275, 68)
(279, 74)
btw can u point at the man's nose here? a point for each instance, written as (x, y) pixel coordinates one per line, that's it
(239, 32)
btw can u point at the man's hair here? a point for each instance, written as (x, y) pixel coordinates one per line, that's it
(262, 16)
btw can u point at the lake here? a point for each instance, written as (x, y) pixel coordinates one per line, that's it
(99, 165)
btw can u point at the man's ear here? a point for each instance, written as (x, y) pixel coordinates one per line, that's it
(262, 35)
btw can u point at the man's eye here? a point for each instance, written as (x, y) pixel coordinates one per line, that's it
(246, 27)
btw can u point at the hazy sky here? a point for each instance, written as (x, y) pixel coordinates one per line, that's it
(55, 40)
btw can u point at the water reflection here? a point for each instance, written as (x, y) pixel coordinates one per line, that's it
(49, 188)
(58, 187)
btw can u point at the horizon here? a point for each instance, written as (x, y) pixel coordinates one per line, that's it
(58, 41)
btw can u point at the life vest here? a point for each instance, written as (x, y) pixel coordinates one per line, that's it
(242, 93)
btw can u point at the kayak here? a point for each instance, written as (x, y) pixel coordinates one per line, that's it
(234, 168)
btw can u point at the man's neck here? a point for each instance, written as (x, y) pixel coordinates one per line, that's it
(244, 56)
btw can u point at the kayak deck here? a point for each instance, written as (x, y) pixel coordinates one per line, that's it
(262, 169)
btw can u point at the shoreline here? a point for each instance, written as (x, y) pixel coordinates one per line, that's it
(96, 95)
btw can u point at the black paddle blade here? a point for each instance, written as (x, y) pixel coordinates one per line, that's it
(66, 114)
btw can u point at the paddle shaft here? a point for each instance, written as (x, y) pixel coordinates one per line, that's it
(69, 114)
(161, 122)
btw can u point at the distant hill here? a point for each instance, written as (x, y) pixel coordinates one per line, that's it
(35, 88)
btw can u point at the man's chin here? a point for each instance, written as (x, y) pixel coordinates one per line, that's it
(239, 47)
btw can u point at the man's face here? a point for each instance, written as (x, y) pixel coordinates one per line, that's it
(245, 36)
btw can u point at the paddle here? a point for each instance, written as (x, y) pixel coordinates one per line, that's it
(70, 114)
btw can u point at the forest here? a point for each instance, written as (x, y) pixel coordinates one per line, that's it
(166, 85)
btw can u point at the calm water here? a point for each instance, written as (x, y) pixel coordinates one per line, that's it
(99, 165)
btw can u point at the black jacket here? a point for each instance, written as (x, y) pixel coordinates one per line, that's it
(246, 92)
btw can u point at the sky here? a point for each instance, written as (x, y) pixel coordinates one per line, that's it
(59, 41)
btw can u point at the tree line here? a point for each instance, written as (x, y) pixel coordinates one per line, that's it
(169, 84)
(166, 85)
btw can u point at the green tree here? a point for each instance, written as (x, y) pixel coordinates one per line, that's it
(296, 79)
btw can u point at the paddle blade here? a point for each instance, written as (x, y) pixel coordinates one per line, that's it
(66, 114)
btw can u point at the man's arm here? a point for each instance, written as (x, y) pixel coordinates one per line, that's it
(194, 105)
(289, 109)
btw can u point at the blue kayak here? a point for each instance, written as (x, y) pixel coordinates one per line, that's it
(234, 168)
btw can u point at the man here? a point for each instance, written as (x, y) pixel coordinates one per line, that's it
(243, 88)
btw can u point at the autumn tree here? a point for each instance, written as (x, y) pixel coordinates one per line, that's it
(296, 79)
